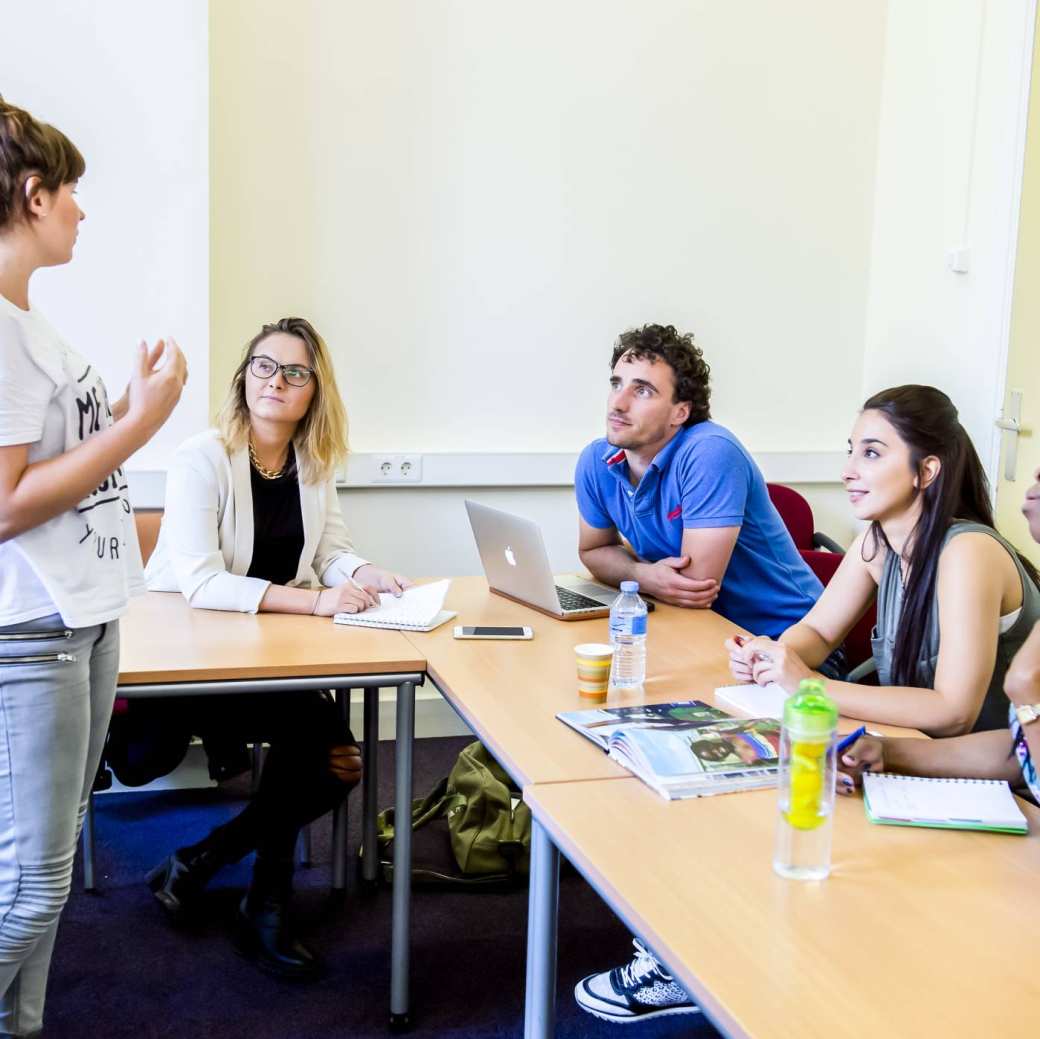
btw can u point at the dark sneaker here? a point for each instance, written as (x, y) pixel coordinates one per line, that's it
(635, 992)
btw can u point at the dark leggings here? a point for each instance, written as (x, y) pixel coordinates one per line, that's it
(312, 764)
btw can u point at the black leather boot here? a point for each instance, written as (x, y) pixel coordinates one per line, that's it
(262, 931)
(177, 882)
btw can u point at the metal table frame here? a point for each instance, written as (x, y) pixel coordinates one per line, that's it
(404, 745)
(542, 923)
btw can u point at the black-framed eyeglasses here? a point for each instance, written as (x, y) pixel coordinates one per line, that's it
(263, 367)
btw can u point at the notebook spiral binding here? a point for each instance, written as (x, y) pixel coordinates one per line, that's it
(935, 779)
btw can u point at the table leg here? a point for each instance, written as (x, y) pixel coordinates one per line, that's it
(369, 764)
(400, 930)
(339, 815)
(542, 911)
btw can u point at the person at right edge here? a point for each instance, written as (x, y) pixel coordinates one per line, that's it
(691, 503)
(69, 557)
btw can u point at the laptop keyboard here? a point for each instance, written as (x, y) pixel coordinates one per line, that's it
(576, 601)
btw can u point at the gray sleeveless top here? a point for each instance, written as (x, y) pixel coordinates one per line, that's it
(994, 711)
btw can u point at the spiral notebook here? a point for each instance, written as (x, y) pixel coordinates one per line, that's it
(418, 609)
(956, 804)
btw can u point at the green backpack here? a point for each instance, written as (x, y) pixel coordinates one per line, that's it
(489, 827)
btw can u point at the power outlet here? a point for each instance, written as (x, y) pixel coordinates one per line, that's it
(397, 469)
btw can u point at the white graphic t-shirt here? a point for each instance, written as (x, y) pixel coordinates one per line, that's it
(85, 563)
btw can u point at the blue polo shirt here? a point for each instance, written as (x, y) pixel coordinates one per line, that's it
(703, 477)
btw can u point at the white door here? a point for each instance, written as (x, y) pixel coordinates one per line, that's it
(1020, 450)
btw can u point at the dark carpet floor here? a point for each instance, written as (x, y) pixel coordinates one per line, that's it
(119, 971)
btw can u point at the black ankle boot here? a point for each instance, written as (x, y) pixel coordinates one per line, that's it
(262, 931)
(177, 882)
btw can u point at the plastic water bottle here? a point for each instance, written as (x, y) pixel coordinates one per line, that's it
(807, 775)
(628, 637)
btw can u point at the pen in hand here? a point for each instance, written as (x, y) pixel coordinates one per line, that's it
(373, 600)
(848, 741)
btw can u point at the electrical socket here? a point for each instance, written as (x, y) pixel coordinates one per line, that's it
(397, 469)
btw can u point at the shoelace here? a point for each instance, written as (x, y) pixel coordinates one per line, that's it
(643, 966)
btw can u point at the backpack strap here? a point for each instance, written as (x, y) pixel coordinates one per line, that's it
(435, 805)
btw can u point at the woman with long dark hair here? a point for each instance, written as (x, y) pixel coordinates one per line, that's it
(1011, 754)
(955, 600)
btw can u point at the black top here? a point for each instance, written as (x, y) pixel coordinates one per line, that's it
(277, 525)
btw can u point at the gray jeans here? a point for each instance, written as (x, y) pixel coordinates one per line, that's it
(56, 690)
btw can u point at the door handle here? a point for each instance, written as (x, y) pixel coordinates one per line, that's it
(1011, 423)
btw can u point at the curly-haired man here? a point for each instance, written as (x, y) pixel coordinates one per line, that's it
(700, 530)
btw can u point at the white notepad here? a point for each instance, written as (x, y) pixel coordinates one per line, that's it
(753, 701)
(418, 609)
(958, 804)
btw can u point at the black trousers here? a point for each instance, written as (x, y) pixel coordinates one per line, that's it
(297, 784)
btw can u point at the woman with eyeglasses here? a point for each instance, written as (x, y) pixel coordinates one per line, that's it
(253, 523)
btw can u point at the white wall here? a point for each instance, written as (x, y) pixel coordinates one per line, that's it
(425, 533)
(471, 200)
(948, 175)
(128, 82)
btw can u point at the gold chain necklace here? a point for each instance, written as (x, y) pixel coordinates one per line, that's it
(267, 474)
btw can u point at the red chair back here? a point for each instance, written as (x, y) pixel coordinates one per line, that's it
(147, 523)
(796, 513)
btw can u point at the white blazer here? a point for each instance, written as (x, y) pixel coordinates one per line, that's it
(205, 543)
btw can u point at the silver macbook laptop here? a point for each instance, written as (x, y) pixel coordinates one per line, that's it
(517, 566)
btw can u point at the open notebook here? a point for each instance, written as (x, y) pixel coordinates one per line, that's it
(753, 701)
(957, 804)
(418, 609)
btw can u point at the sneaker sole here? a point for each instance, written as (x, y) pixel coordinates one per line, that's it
(606, 1013)
(645, 1015)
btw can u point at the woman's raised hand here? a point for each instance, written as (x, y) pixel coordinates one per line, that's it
(153, 392)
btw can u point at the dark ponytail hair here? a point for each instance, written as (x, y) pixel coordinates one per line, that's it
(927, 422)
(29, 148)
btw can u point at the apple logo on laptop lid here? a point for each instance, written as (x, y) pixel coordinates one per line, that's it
(510, 556)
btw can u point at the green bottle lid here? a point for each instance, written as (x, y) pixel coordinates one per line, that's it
(810, 714)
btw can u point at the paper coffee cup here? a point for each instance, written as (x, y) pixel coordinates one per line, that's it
(594, 660)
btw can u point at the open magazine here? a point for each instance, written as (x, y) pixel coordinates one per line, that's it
(687, 748)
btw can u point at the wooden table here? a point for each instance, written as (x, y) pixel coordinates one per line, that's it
(169, 649)
(510, 692)
(916, 933)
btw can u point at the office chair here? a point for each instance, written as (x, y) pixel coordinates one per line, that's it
(797, 515)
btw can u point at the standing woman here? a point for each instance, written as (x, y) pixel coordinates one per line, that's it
(68, 556)
(253, 524)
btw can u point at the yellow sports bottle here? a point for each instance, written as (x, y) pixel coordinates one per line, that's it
(807, 774)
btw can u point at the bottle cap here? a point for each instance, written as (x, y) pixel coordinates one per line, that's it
(630, 586)
(810, 714)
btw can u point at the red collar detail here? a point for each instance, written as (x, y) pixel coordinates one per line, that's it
(614, 459)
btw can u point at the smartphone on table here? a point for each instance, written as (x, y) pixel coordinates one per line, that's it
(482, 632)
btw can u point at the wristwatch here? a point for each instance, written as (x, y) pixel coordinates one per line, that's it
(1027, 713)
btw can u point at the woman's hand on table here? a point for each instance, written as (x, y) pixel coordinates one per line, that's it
(775, 662)
(740, 659)
(379, 580)
(867, 754)
(344, 598)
